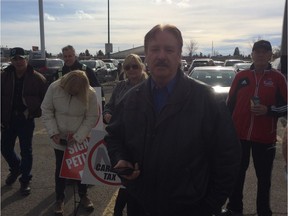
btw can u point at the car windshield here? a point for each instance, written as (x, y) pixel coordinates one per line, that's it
(214, 77)
(90, 64)
(109, 65)
(243, 65)
(231, 63)
(54, 63)
(201, 63)
(37, 63)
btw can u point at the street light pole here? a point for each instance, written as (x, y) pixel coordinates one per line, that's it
(42, 36)
(108, 54)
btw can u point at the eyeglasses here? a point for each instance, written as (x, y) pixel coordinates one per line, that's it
(128, 67)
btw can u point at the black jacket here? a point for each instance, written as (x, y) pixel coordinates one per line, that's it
(118, 92)
(189, 154)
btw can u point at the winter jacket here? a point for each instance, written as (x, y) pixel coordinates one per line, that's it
(271, 89)
(64, 114)
(34, 89)
(188, 154)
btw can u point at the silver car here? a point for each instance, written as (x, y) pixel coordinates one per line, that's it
(218, 77)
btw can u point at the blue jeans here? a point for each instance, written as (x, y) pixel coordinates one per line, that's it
(23, 129)
(263, 156)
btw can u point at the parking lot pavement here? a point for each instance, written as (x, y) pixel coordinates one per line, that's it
(42, 197)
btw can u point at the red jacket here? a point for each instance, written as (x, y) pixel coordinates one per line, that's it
(271, 88)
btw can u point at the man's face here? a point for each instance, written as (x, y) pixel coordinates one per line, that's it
(69, 57)
(261, 57)
(163, 57)
(19, 63)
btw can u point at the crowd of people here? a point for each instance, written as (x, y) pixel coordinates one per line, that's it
(186, 153)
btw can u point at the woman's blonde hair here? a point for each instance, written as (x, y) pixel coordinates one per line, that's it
(76, 84)
(137, 59)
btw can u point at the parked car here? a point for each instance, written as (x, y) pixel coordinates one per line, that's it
(242, 66)
(231, 62)
(47, 67)
(276, 64)
(114, 61)
(219, 77)
(201, 63)
(4, 65)
(219, 63)
(98, 66)
(111, 72)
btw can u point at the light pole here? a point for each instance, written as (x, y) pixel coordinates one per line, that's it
(42, 36)
(109, 46)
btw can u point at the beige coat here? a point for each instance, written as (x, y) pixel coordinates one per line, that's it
(63, 114)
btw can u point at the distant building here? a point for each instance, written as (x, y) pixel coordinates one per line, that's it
(4, 54)
(4, 51)
(122, 54)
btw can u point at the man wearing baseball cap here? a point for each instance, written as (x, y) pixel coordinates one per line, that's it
(262, 44)
(258, 96)
(17, 51)
(22, 92)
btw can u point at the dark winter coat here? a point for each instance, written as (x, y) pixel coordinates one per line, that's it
(34, 89)
(188, 154)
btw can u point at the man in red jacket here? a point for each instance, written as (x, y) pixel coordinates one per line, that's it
(257, 98)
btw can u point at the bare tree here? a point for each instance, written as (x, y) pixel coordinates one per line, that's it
(276, 52)
(191, 47)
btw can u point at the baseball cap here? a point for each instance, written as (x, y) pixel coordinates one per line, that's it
(262, 44)
(17, 51)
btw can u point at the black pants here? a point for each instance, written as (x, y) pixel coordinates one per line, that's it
(60, 183)
(123, 199)
(135, 208)
(263, 156)
(120, 202)
(23, 129)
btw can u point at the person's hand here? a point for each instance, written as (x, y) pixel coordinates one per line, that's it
(56, 138)
(71, 141)
(259, 109)
(107, 117)
(123, 164)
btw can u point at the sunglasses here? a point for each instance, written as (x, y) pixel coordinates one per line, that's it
(128, 67)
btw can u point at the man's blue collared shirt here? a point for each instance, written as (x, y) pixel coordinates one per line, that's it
(161, 95)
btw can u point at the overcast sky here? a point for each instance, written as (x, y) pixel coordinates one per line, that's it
(84, 23)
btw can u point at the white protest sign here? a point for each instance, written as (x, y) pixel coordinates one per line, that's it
(97, 166)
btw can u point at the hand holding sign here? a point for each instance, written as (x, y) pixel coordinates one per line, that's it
(74, 159)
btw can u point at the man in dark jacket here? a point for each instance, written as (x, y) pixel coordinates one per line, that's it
(22, 92)
(71, 63)
(179, 141)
